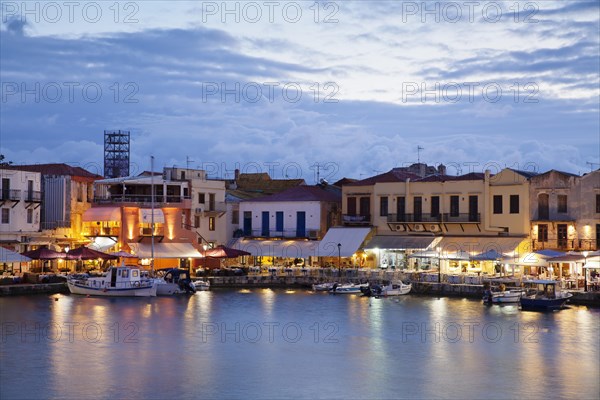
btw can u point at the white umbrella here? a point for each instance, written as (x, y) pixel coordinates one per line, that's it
(9, 256)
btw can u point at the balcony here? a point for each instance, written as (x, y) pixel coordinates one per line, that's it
(356, 219)
(440, 218)
(33, 196)
(10, 195)
(566, 244)
(313, 234)
(55, 225)
(158, 231)
(102, 231)
(212, 208)
(145, 200)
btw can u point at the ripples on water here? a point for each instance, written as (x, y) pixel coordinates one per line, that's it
(264, 343)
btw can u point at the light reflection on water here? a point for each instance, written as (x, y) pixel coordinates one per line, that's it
(267, 343)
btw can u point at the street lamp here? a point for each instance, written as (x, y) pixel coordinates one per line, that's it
(339, 260)
(585, 254)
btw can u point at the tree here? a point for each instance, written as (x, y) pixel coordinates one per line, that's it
(4, 163)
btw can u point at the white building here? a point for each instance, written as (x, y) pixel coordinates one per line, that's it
(20, 201)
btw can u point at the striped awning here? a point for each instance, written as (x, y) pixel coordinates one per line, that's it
(400, 242)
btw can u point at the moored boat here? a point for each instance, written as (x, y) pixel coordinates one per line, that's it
(397, 288)
(173, 281)
(201, 286)
(546, 296)
(323, 287)
(121, 281)
(348, 288)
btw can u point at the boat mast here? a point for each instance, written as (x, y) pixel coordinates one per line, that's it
(152, 216)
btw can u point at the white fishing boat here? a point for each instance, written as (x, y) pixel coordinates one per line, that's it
(173, 281)
(507, 296)
(201, 286)
(348, 288)
(323, 287)
(121, 281)
(396, 289)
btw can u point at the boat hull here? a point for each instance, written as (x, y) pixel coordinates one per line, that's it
(504, 297)
(149, 291)
(543, 304)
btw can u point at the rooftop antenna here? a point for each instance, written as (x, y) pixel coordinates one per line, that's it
(419, 148)
(318, 166)
(591, 164)
(187, 162)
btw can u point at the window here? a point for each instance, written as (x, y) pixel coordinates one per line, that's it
(211, 223)
(351, 206)
(29, 190)
(196, 221)
(383, 206)
(598, 204)
(79, 192)
(498, 204)
(211, 201)
(30, 216)
(201, 198)
(514, 203)
(401, 208)
(454, 206)
(562, 203)
(543, 206)
(235, 217)
(5, 215)
(279, 221)
(435, 206)
(542, 233)
(417, 208)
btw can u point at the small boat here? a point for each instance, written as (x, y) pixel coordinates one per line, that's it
(392, 289)
(323, 287)
(396, 289)
(201, 286)
(507, 296)
(172, 281)
(118, 281)
(546, 296)
(348, 288)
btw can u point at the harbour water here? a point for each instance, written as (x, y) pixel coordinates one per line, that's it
(264, 343)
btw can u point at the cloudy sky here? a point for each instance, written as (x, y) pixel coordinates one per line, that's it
(278, 86)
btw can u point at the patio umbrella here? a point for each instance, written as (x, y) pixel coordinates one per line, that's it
(85, 253)
(490, 255)
(224, 252)
(44, 254)
(9, 256)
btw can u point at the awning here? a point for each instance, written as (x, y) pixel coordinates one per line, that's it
(9, 256)
(146, 216)
(477, 245)
(102, 243)
(278, 248)
(102, 214)
(537, 258)
(165, 250)
(351, 239)
(401, 242)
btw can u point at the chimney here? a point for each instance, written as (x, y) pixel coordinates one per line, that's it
(236, 174)
(442, 169)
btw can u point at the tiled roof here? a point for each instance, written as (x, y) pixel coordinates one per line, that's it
(526, 174)
(56, 169)
(558, 172)
(472, 176)
(304, 193)
(263, 184)
(393, 175)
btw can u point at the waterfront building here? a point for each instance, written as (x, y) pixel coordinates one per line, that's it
(453, 217)
(565, 211)
(289, 225)
(124, 208)
(20, 208)
(66, 193)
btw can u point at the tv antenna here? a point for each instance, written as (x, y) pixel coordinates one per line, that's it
(188, 162)
(591, 164)
(419, 148)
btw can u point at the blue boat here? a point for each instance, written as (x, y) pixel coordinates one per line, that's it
(545, 296)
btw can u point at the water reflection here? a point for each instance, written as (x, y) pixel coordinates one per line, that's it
(265, 343)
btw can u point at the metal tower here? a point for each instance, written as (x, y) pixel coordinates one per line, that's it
(116, 154)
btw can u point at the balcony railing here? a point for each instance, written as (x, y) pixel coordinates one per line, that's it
(158, 231)
(10, 194)
(356, 219)
(566, 244)
(285, 234)
(33, 196)
(220, 206)
(140, 199)
(553, 216)
(55, 224)
(440, 218)
(102, 231)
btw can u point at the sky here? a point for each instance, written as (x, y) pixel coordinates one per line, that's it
(355, 87)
